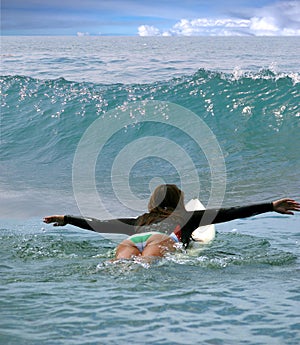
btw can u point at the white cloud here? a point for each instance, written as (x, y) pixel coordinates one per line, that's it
(204, 26)
(278, 19)
(281, 18)
(264, 26)
(147, 30)
(81, 34)
(200, 26)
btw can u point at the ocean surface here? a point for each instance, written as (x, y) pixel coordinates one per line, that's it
(89, 126)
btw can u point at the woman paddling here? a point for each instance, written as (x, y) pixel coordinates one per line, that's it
(167, 222)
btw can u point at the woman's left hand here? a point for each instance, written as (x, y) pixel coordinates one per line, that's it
(286, 206)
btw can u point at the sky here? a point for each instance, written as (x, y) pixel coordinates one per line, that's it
(151, 18)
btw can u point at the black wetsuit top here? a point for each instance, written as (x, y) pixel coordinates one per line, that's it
(190, 221)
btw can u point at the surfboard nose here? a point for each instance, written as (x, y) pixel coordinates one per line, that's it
(203, 234)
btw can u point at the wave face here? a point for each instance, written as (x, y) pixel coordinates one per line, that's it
(255, 118)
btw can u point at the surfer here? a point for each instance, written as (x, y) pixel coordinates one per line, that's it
(167, 222)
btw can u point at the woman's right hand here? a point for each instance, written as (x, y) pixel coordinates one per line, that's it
(58, 220)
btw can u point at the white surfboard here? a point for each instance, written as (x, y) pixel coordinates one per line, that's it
(203, 234)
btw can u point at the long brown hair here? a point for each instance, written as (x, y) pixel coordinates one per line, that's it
(166, 200)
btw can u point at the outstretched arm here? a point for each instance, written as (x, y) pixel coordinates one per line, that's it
(120, 226)
(283, 206)
(210, 216)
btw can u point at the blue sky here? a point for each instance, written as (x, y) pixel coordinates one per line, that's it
(150, 18)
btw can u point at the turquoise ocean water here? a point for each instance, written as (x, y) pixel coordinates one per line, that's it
(57, 284)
